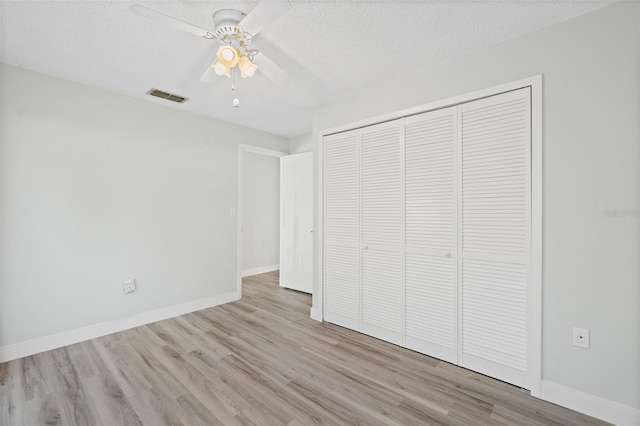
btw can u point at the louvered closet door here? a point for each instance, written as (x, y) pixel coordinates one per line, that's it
(382, 232)
(431, 141)
(496, 234)
(342, 229)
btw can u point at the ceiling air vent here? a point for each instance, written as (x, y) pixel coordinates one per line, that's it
(168, 96)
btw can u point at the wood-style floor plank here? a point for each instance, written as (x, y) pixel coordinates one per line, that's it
(258, 361)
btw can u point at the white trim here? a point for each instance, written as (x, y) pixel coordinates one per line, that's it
(442, 103)
(458, 198)
(260, 150)
(534, 352)
(281, 218)
(534, 296)
(315, 314)
(46, 343)
(260, 270)
(595, 406)
(242, 148)
(360, 319)
(317, 298)
(403, 232)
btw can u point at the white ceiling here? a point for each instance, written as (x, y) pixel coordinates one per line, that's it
(330, 48)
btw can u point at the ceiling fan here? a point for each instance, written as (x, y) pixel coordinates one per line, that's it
(234, 31)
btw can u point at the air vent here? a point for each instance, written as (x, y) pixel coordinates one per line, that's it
(168, 96)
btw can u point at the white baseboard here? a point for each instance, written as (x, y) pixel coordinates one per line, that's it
(260, 270)
(46, 343)
(595, 406)
(316, 314)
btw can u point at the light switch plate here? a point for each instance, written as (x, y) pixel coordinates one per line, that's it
(129, 285)
(581, 337)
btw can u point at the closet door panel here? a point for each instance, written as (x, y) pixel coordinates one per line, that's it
(431, 232)
(381, 295)
(430, 169)
(381, 186)
(341, 195)
(495, 312)
(382, 231)
(341, 286)
(431, 323)
(341, 189)
(496, 234)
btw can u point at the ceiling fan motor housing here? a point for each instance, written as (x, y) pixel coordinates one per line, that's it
(225, 22)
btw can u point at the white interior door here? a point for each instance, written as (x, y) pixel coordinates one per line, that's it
(341, 248)
(496, 234)
(431, 141)
(383, 231)
(296, 222)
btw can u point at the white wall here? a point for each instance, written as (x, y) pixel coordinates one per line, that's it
(302, 143)
(591, 163)
(260, 213)
(1, 197)
(98, 187)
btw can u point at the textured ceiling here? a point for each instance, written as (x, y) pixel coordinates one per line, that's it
(330, 48)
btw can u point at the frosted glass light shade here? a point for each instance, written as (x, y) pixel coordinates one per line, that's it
(221, 69)
(228, 56)
(247, 68)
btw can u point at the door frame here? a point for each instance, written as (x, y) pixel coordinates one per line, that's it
(534, 295)
(244, 148)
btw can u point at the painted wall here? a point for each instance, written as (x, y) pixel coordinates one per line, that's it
(302, 143)
(591, 164)
(98, 187)
(1, 197)
(260, 213)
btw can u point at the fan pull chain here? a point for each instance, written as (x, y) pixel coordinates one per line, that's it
(234, 84)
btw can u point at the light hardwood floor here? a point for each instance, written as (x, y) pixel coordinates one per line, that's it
(257, 361)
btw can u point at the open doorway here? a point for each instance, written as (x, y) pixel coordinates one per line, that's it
(258, 212)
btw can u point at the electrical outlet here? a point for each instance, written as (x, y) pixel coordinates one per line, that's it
(581, 337)
(129, 285)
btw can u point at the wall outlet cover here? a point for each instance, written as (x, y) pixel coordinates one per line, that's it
(581, 337)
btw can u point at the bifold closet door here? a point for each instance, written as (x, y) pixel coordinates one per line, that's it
(341, 200)
(496, 234)
(431, 141)
(427, 233)
(382, 231)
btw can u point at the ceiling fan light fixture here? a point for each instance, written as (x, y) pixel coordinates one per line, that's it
(228, 56)
(221, 69)
(234, 31)
(247, 68)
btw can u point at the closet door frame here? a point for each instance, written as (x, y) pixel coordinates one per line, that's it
(534, 293)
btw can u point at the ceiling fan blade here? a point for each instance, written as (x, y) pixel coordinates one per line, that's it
(209, 75)
(270, 69)
(143, 11)
(263, 14)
